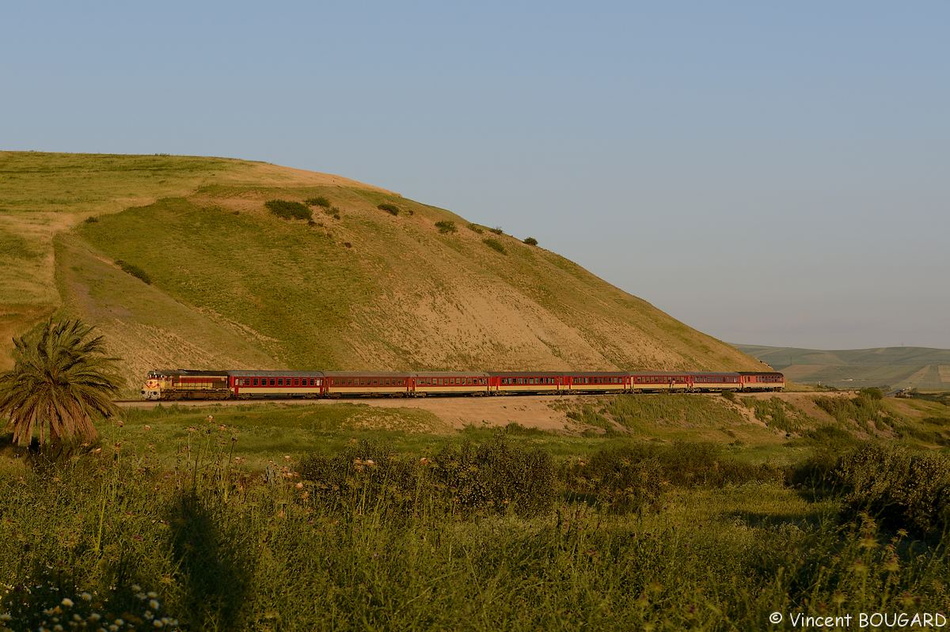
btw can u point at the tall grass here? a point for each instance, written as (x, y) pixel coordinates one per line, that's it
(335, 542)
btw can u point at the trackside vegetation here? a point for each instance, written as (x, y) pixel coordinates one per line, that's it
(170, 519)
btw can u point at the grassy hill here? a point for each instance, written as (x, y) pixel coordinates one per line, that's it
(179, 261)
(896, 367)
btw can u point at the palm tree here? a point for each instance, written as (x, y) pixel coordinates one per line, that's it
(61, 379)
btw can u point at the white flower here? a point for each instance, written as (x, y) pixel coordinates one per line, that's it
(67, 602)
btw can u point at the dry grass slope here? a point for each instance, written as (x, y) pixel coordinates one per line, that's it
(356, 287)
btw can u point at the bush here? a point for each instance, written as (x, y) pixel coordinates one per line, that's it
(495, 477)
(494, 244)
(446, 227)
(497, 230)
(134, 270)
(475, 228)
(289, 210)
(531, 241)
(903, 490)
(392, 209)
(492, 477)
(634, 477)
(318, 201)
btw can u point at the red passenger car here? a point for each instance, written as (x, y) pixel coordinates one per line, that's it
(762, 380)
(449, 383)
(596, 382)
(525, 382)
(361, 383)
(276, 384)
(660, 381)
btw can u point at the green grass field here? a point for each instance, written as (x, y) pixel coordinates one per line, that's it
(348, 516)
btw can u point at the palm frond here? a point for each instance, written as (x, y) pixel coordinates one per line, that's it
(61, 379)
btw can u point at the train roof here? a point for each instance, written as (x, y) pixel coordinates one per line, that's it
(366, 374)
(179, 372)
(277, 373)
(450, 374)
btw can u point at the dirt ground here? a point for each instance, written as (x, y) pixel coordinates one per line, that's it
(457, 412)
(530, 411)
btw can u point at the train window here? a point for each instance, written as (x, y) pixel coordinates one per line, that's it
(280, 381)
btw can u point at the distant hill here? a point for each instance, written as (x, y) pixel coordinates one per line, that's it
(896, 367)
(180, 263)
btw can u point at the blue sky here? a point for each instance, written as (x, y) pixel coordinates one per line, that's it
(770, 173)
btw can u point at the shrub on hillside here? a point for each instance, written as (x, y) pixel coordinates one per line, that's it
(866, 410)
(134, 270)
(289, 210)
(318, 201)
(475, 228)
(497, 230)
(446, 227)
(494, 244)
(392, 209)
(531, 241)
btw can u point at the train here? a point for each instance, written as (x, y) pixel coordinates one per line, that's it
(186, 384)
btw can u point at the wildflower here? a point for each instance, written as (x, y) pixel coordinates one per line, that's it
(299, 485)
(424, 461)
(147, 427)
(868, 542)
(370, 462)
(859, 567)
(158, 623)
(286, 457)
(210, 419)
(67, 602)
(153, 604)
(119, 423)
